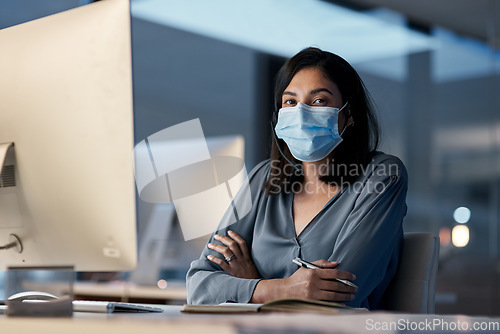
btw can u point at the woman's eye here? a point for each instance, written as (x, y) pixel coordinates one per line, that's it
(289, 102)
(319, 101)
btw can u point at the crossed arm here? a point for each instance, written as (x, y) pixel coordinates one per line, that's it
(316, 284)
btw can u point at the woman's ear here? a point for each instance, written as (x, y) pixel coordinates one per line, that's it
(350, 120)
(347, 119)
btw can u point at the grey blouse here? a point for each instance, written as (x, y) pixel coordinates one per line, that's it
(360, 227)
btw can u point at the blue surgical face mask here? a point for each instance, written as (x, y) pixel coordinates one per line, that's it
(311, 133)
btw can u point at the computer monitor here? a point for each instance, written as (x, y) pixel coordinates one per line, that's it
(165, 252)
(66, 105)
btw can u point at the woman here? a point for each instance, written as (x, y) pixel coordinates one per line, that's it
(326, 195)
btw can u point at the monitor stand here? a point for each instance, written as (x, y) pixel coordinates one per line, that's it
(40, 291)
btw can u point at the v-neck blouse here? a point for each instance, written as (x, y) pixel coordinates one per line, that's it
(360, 227)
(292, 219)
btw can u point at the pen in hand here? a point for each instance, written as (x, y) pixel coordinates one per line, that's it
(298, 261)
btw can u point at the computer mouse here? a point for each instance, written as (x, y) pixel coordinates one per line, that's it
(32, 295)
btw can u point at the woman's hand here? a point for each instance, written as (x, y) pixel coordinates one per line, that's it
(238, 262)
(320, 284)
(317, 284)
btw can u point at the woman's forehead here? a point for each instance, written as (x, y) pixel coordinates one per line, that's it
(310, 79)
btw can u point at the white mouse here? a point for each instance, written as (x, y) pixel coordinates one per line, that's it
(32, 295)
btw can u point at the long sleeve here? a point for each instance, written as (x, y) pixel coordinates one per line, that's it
(361, 228)
(206, 282)
(370, 241)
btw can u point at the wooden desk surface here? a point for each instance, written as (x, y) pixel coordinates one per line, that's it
(173, 321)
(128, 292)
(106, 324)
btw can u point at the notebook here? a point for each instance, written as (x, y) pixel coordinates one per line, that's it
(111, 307)
(278, 305)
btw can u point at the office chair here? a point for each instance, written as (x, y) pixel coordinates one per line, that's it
(412, 290)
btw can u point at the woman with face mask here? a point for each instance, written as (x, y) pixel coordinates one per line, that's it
(325, 195)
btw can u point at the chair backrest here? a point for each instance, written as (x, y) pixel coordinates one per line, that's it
(413, 288)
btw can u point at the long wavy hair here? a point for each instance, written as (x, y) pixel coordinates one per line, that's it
(360, 140)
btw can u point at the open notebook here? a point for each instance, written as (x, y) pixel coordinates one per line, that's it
(111, 307)
(277, 305)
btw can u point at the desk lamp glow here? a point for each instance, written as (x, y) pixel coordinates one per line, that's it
(67, 193)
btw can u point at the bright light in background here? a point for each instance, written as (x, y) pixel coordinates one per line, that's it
(444, 236)
(284, 27)
(460, 236)
(460, 58)
(372, 40)
(162, 284)
(461, 215)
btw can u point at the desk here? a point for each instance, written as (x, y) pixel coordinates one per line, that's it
(94, 323)
(128, 292)
(173, 321)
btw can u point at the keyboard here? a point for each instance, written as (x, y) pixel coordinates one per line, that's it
(111, 307)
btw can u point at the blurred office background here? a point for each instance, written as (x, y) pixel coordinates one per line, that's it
(432, 67)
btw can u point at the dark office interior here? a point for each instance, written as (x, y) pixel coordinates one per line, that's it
(432, 68)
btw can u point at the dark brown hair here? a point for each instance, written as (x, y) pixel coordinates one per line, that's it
(359, 140)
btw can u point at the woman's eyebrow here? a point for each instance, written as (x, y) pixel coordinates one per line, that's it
(316, 91)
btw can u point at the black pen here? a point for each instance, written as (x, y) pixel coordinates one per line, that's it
(298, 261)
